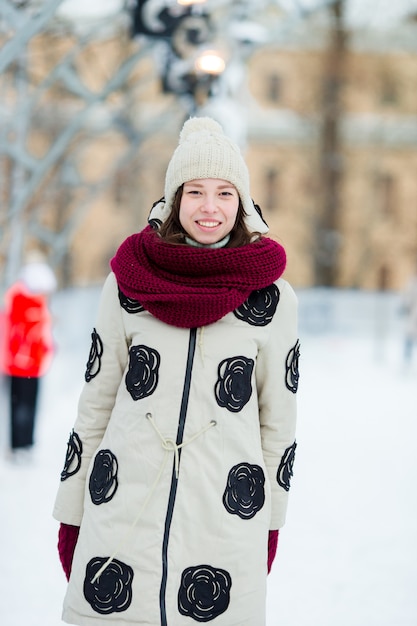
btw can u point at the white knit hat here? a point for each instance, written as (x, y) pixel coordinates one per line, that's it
(204, 151)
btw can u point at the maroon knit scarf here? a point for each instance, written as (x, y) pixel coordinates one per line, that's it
(190, 287)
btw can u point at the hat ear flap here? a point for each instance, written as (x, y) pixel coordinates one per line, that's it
(255, 220)
(158, 214)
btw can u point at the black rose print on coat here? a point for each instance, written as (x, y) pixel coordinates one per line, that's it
(292, 374)
(244, 494)
(73, 456)
(94, 358)
(103, 479)
(204, 593)
(112, 591)
(143, 373)
(285, 469)
(233, 388)
(128, 304)
(260, 307)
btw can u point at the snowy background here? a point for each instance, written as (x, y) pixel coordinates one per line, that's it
(348, 553)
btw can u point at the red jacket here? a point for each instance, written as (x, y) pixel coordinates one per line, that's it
(27, 341)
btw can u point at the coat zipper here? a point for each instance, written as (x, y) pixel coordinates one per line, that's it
(174, 480)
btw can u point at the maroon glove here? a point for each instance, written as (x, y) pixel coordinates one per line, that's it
(67, 540)
(272, 547)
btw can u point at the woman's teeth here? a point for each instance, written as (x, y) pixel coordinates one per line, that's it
(208, 224)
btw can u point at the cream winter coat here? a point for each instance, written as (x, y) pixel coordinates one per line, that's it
(180, 463)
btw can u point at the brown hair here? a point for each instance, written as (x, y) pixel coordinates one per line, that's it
(172, 231)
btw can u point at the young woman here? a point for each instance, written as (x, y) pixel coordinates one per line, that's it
(178, 468)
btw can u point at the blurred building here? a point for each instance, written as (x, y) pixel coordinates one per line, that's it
(377, 143)
(282, 97)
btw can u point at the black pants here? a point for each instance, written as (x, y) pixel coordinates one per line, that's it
(23, 401)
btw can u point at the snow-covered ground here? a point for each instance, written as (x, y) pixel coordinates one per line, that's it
(348, 553)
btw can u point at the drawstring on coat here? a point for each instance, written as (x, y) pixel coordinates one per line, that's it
(168, 445)
(201, 343)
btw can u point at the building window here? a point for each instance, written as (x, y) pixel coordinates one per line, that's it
(274, 88)
(383, 278)
(385, 194)
(389, 91)
(271, 189)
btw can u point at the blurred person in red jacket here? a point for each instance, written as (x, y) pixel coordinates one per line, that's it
(28, 347)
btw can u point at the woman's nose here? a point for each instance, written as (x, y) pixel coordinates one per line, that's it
(209, 204)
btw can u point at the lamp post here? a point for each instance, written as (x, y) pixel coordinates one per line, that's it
(187, 3)
(208, 67)
(188, 65)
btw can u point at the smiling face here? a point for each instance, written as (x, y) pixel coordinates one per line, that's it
(208, 209)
